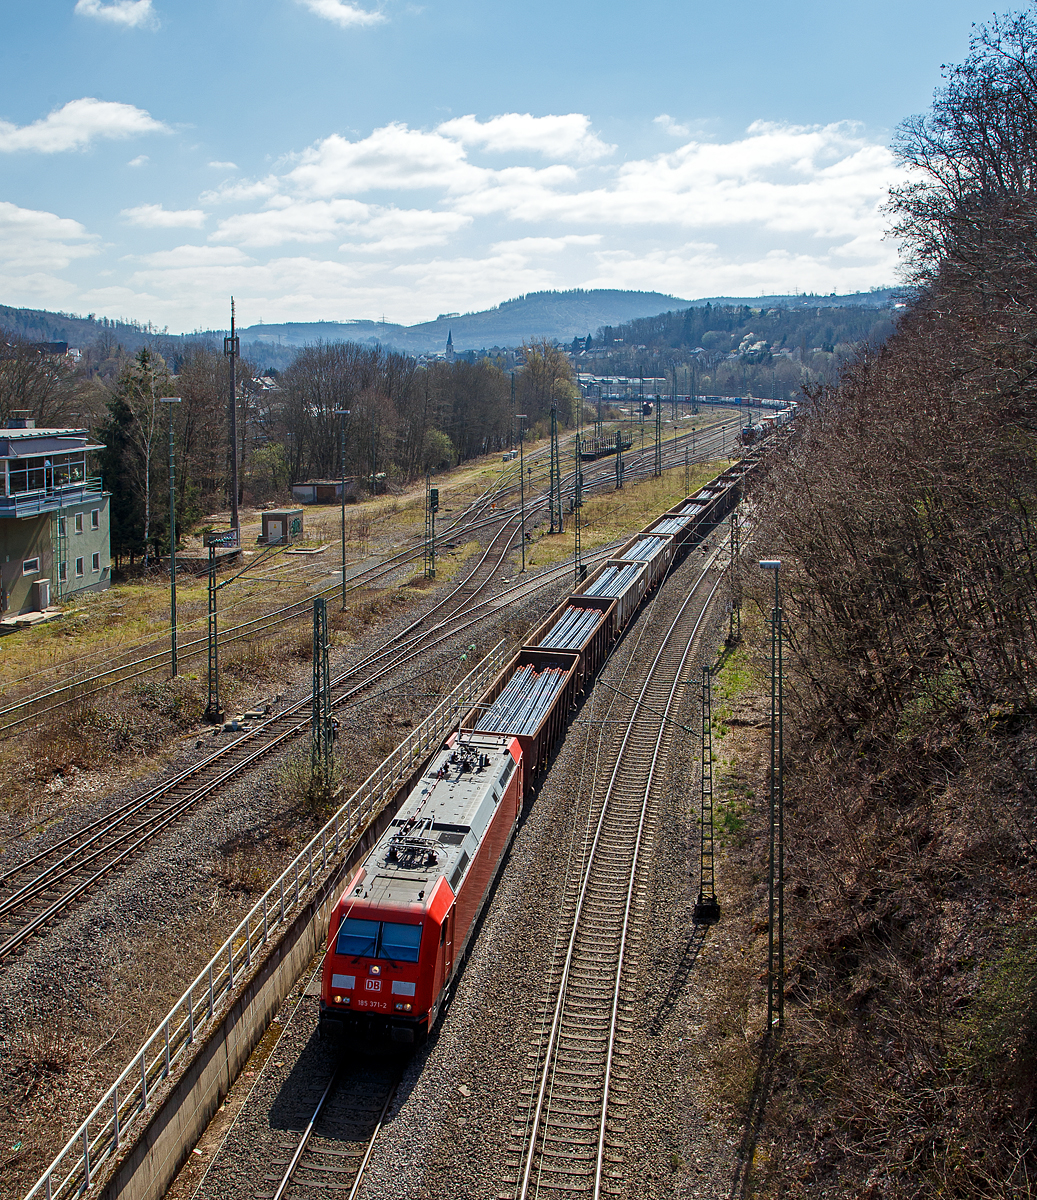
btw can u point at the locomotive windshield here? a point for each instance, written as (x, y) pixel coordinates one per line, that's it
(378, 939)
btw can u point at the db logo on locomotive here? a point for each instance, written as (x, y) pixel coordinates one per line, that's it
(374, 985)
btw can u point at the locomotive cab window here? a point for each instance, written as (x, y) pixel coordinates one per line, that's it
(400, 942)
(357, 938)
(378, 939)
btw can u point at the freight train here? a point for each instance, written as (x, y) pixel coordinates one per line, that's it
(400, 931)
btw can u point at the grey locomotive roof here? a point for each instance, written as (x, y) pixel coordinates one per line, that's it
(441, 823)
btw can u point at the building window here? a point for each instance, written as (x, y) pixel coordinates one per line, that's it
(95, 563)
(79, 522)
(30, 566)
(95, 518)
(62, 572)
(63, 526)
(79, 567)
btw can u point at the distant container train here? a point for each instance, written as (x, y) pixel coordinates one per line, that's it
(400, 930)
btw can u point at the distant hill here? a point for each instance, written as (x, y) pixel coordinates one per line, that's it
(876, 298)
(562, 315)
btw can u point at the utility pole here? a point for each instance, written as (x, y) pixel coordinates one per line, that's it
(658, 436)
(734, 632)
(619, 458)
(776, 857)
(707, 908)
(577, 505)
(431, 508)
(520, 417)
(687, 472)
(555, 490)
(170, 401)
(342, 413)
(511, 429)
(213, 711)
(232, 348)
(321, 728)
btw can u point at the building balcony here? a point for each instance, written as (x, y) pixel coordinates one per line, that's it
(52, 499)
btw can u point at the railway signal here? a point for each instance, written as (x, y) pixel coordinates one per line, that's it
(431, 508)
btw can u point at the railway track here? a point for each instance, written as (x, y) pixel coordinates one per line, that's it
(474, 519)
(337, 1142)
(570, 1139)
(37, 890)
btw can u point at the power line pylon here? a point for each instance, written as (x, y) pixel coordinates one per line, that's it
(707, 908)
(557, 525)
(322, 730)
(431, 508)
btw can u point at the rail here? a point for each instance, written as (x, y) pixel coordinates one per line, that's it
(102, 1133)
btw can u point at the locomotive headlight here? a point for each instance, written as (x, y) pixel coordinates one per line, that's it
(408, 1007)
(338, 999)
(374, 969)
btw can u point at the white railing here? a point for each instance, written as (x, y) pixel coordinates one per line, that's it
(104, 1130)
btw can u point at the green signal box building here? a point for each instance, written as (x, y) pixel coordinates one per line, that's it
(54, 518)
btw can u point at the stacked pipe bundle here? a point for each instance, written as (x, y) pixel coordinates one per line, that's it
(572, 629)
(614, 581)
(526, 699)
(645, 548)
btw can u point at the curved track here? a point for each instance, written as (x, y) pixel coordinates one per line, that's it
(571, 1140)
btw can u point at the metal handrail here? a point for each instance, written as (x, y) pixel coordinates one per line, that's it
(102, 1133)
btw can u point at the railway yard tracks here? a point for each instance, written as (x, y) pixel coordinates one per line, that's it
(482, 516)
(569, 1140)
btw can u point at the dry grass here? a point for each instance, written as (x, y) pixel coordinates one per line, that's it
(606, 518)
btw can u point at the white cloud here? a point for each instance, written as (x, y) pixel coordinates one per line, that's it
(566, 137)
(134, 14)
(245, 189)
(77, 124)
(779, 208)
(154, 216)
(33, 240)
(140, 161)
(671, 126)
(286, 220)
(392, 157)
(342, 13)
(224, 166)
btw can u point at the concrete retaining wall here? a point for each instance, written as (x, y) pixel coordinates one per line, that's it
(147, 1166)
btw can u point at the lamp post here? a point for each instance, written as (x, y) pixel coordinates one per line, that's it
(776, 892)
(342, 413)
(170, 401)
(520, 417)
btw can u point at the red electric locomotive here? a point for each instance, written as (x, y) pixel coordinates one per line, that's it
(399, 932)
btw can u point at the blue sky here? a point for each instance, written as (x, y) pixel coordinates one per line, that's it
(322, 159)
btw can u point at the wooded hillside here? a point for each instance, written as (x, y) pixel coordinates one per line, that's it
(903, 512)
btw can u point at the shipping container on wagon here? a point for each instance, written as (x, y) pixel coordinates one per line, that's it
(586, 624)
(625, 582)
(530, 700)
(655, 549)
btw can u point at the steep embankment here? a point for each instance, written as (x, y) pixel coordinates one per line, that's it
(902, 512)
